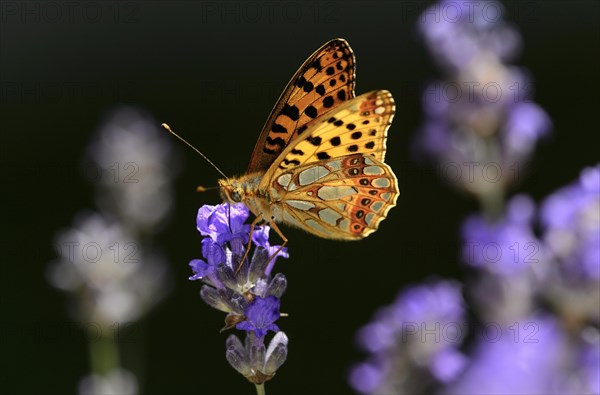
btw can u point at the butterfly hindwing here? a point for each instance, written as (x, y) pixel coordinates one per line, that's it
(325, 80)
(342, 198)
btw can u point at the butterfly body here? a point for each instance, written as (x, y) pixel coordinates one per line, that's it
(319, 162)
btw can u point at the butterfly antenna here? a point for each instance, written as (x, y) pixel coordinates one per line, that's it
(201, 188)
(168, 129)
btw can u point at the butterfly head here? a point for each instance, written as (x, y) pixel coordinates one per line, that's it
(231, 190)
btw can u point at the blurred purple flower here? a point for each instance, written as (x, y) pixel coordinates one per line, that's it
(458, 31)
(508, 246)
(589, 366)
(571, 221)
(534, 305)
(480, 125)
(417, 337)
(448, 364)
(524, 358)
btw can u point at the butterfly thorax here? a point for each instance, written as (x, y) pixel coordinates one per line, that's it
(245, 189)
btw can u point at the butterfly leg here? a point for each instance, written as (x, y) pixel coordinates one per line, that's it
(285, 240)
(252, 226)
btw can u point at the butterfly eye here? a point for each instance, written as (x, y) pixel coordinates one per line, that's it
(236, 196)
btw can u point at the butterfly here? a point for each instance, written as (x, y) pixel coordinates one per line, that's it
(318, 164)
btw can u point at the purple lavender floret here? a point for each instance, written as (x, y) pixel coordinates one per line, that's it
(261, 315)
(261, 238)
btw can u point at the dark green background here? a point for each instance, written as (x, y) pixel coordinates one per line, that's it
(214, 70)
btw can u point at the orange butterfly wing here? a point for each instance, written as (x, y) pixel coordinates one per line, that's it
(325, 80)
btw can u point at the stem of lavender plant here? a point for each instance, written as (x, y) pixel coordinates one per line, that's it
(104, 354)
(492, 201)
(260, 389)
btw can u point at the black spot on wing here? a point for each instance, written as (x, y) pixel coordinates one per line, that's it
(370, 145)
(308, 87)
(335, 141)
(320, 90)
(301, 81)
(323, 155)
(277, 128)
(294, 162)
(311, 111)
(341, 94)
(316, 141)
(297, 152)
(276, 141)
(291, 112)
(317, 64)
(353, 148)
(328, 102)
(301, 129)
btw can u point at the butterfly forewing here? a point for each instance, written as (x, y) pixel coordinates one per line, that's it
(324, 81)
(358, 126)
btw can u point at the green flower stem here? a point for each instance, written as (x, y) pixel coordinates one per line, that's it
(492, 203)
(260, 389)
(104, 354)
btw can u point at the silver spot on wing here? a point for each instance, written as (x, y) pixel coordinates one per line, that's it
(335, 164)
(315, 225)
(335, 192)
(300, 204)
(381, 182)
(312, 174)
(284, 180)
(373, 170)
(329, 216)
(377, 206)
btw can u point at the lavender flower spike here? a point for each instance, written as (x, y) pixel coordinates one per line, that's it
(250, 296)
